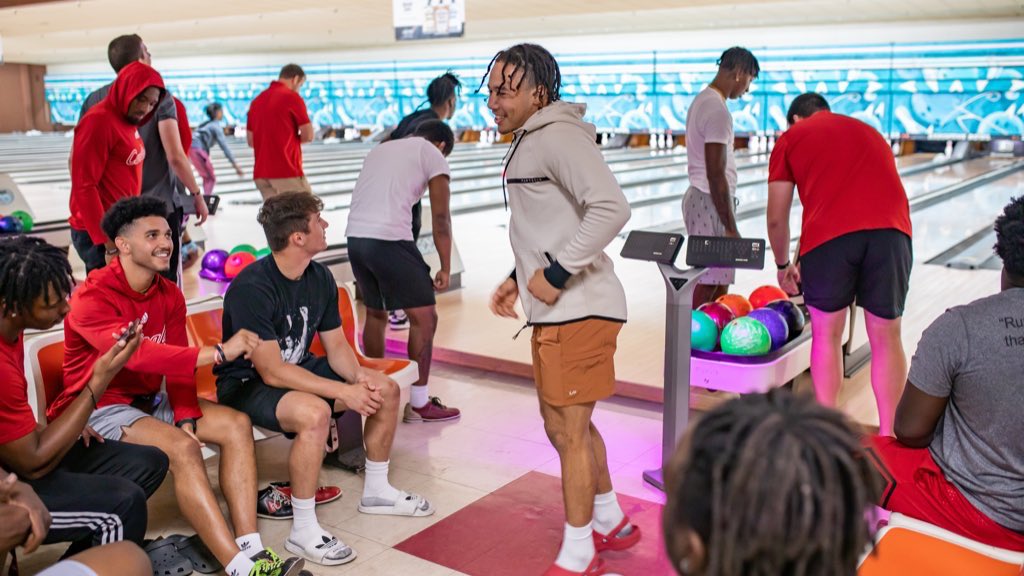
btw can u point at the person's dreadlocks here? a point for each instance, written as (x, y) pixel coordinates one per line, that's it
(538, 65)
(774, 484)
(1010, 237)
(28, 268)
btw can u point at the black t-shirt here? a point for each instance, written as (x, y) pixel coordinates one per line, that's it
(408, 124)
(291, 312)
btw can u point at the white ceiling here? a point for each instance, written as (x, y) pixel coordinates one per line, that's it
(78, 31)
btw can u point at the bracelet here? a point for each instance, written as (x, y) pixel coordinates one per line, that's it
(783, 266)
(219, 357)
(91, 395)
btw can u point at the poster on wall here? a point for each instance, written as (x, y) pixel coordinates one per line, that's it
(425, 19)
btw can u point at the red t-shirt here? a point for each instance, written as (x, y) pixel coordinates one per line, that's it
(274, 119)
(16, 417)
(846, 176)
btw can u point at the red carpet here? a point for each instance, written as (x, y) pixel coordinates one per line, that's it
(516, 531)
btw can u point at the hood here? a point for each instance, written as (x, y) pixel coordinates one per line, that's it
(114, 279)
(559, 111)
(131, 81)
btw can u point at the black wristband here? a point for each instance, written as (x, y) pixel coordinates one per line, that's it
(512, 276)
(783, 266)
(181, 423)
(556, 275)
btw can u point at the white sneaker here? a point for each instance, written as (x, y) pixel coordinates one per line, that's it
(398, 320)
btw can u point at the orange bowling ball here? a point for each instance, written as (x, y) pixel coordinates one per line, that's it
(760, 297)
(739, 305)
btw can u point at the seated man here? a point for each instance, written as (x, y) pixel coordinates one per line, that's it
(135, 410)
(387, 265)
(96, 491)
(957, 460)
(287, 299)
(27, 521)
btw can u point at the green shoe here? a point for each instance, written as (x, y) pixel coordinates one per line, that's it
(270, 564)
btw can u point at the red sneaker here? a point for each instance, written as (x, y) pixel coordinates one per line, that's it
(596, 568)
(432, 411)
(612, 540)
(324, 494)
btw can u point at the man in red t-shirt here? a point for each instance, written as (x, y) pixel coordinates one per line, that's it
(134, 408)
(854, 242)
(277, 127)
(108, 154)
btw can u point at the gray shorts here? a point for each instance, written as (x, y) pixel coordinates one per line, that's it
(68, 568)
(109, 421)
(702, 219)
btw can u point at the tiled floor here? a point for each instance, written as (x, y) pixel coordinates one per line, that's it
(499, 439)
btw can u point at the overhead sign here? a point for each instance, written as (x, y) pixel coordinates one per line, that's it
(425, 19)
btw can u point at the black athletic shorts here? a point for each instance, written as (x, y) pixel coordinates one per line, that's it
(391, 274)
(260, 401)
(871, 266)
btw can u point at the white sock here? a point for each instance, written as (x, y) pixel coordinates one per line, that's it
(377, 484)
(240, 565)
(305, 526)
(608, 514)
(577, 548)
(251, 544)
(418, 396)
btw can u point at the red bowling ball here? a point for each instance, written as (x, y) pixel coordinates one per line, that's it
(237, 262)
(761, 296)
(718, 312)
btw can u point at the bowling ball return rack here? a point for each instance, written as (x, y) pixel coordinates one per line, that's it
(712, 370)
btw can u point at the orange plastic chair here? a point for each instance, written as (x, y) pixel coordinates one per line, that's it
(44, 370)
(908, 547)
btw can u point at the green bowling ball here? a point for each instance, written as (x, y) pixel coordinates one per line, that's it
(703, 332)
(746, 337)
(262, 252)
(244, 248)
(26, 219)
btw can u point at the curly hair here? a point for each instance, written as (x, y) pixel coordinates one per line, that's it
(538, 65)
(285, 214)
(126, 211)
(28, 268)
(774, 485)
(443, 88)
(740, 60)
(1010, 237)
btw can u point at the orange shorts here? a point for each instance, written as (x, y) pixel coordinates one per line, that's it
(575, 363)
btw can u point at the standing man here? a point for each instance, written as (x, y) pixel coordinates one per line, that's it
(108, 155)
(854, 242)
(443, 97)
(277, 127)
(166, 164)
(153, 401)
(566, 208)
(709, 206)
(387, 264)
(95, 491)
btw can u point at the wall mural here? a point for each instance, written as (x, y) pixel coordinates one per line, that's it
(942, 91)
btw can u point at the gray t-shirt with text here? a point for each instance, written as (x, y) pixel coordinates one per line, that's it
(974, 355)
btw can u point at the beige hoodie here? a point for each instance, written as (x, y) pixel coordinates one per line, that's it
(567, 207)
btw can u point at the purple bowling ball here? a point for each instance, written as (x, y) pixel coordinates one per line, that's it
(793, 315)
(213, 265)
(777, 326)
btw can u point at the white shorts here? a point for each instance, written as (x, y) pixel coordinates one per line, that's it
(110, 421)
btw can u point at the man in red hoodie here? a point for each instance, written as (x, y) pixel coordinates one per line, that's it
(136, 411)
(108, 155)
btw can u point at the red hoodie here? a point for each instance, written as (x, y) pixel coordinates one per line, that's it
(107, 153)
(103, 305)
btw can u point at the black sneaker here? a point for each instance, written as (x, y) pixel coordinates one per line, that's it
(274, 504)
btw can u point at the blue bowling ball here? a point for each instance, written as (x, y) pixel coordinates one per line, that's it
(777, 327)
(793, 315)
(11, 225)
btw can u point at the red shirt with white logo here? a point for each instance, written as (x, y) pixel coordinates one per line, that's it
(274, 119)
(846, 176)
(16, 417)
(107, 154)
(103, 305)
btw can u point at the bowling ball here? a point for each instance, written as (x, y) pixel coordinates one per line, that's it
(10, 225)
(793, 315)
(703, 332)
(739, 305)
(746, 337)
(26, 219)
(777, 326)
(765, 294)
(262, 252)
(720, 313)
(243, 248)
(214, 260)
(237, 262)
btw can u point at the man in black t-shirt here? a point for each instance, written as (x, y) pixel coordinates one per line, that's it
(287, 299)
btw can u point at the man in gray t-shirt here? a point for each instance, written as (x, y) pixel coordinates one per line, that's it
(166, 167)
(958, 457)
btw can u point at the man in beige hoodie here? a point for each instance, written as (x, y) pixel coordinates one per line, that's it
(566, 208)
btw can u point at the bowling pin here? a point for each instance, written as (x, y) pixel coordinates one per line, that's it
(771, 143)
(949, 148)
(896, 147)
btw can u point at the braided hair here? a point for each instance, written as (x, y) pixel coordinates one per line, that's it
(537, 64)
(1010, 237)
(443, 88)
(28, 268)
(774, 485)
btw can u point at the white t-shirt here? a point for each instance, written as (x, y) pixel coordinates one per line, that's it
(394, 177)
(708, 121)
